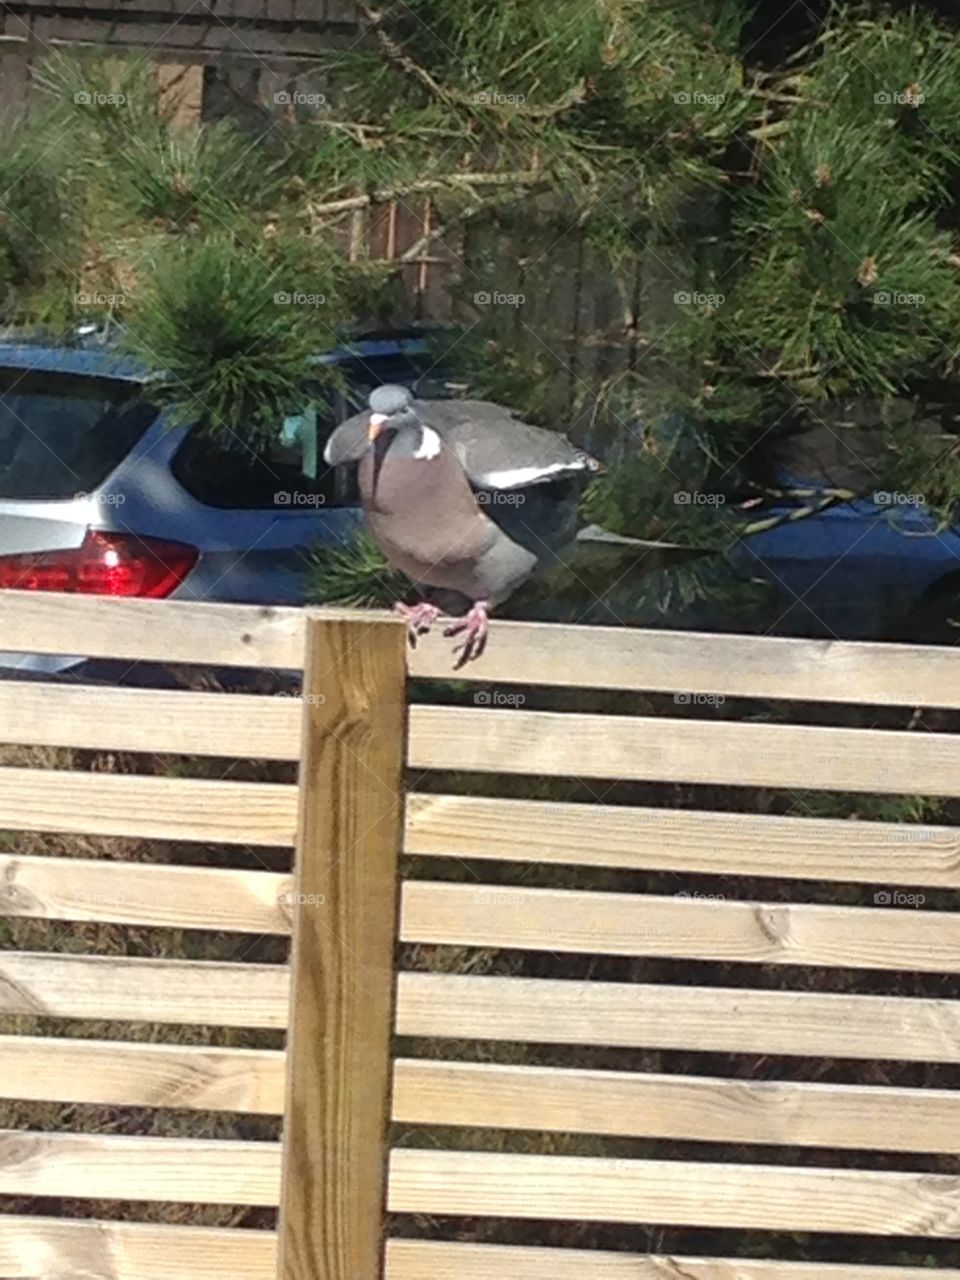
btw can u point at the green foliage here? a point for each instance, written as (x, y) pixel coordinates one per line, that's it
(793, 220)
(926, 468)
(236, 347)
(40, 229)
(355, 576)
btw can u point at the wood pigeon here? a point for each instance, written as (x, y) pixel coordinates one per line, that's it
(464, 498)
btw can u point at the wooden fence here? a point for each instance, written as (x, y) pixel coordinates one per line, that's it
(338, 1173)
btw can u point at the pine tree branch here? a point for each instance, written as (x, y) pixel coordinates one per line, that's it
(453, 181)
(573, 97)
(400, 58)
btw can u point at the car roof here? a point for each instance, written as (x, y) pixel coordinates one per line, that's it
(105, 362)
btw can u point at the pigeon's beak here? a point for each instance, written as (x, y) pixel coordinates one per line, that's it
(380, 436)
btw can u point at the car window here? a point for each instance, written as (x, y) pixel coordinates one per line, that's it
(286, 469)
(61, 434)
(414, 372)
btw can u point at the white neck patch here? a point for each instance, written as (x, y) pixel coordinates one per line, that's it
(430, 444)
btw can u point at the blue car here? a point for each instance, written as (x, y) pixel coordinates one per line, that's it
(101, 493)
(871, 568)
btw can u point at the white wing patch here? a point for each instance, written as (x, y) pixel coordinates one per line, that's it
(430, 444)
(527, 475)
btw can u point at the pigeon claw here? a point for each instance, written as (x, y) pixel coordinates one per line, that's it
(419, 618)
(473, 626)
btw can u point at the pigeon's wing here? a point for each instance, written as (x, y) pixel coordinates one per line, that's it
(498, 450)
(349, 441)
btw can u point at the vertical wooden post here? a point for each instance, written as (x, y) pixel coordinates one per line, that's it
(345, 905)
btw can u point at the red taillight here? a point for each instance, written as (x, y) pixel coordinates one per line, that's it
(105, 564)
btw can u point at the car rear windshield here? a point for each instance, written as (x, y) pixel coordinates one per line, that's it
(61, 435)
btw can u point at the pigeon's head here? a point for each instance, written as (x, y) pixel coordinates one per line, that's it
(391, 409)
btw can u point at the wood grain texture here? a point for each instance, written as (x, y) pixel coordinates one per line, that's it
(105, 804)
(138, 893)
(598, 657)
(724, 1019)
(659, 749)
(696, 662)
(98, 1166)
(483, 915)
(154, 720)
(692, 1108)
(61, 1249)
(143, 990)
(675, 1192)
(129, 1074)
(643, 839)
(226, 635)
(416, 1259)
(482, 1095)
(341, 1009)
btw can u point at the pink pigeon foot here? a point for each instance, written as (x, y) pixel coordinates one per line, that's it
(473, 627)
(419, 617)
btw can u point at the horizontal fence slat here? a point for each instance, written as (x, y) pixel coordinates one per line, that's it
(486, 1095)
(597, 657)
(61, 1249)
(143, 990)
(654, 749)
(695, 662)
(108, 1167)
(440, 1260)
(153, 720)
(163, 631)
(675, 1192)
(642, 839)
(734, 1020)
(218, 898)
(484, 915)
(129, 1074)
(721, 1019)
(105, 804)
(689, 1108)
